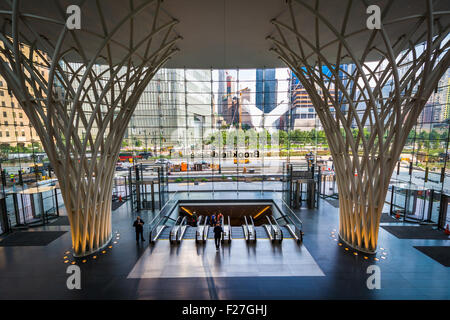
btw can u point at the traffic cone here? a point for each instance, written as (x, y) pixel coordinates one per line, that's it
(120, 198)
(447, 231)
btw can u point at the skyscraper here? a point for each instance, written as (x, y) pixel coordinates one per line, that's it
(266, 89)
(221, 92)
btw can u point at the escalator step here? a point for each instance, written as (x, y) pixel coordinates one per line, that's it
(165, 234)
(261, 232)
(190, 233)
(237, 233)
(211, 233)
(286, 233)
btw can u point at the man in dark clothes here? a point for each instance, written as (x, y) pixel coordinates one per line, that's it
(138, 226)
(217, 235)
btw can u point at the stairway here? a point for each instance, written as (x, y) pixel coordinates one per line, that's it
(237, 232)
(190, 232)
(165, 234)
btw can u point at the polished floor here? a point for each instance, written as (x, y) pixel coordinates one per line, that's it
(131, 271)
(238, 259)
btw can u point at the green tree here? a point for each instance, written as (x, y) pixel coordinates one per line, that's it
(283, 136)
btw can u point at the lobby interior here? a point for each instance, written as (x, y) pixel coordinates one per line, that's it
(321, 137)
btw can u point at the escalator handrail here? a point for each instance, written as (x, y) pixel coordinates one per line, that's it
(182, 224)
(270, 222)
(205, 222)
(245, 227)
(275, 221)
(158, 218)
(292, 214)
(278, 226)
(272, 228)
(199, 221)
(199, 228)
(162, 209)
(176, 228)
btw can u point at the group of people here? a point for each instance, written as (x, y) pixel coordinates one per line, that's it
(214, 221)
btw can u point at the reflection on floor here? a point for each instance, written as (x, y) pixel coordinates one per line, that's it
(238, 259)
(406, 273)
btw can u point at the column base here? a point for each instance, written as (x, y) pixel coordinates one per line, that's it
(94, 251)
(356, 247)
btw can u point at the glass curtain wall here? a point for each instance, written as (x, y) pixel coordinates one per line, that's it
(28, 185)
(227, 130)
(196, 120)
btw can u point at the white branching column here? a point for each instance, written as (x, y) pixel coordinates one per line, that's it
(368, 88)
(80, 105)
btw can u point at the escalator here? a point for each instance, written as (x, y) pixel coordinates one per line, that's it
(237, 232)
(273, 229)
(274, 222)
(201, 229)
(226, 226)
(178, 230)
(249, 229)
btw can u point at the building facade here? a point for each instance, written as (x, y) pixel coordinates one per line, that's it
(266, 90)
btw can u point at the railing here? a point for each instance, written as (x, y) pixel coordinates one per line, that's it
(245, 228)
(226, 236)
(173, 237)
(181, 230)
(199, 230)
(251, 229)
(276, 230)
(294, 224)
(157, 225)
(205, 229)
(269, 229)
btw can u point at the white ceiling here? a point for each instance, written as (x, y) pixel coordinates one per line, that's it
(221, 33)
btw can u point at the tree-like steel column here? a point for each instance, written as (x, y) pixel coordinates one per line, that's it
(349, 71)
(82, 109)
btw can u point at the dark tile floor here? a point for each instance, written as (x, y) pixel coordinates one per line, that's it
(406, 273)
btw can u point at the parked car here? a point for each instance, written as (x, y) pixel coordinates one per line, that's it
(145, 155)
(163, 161)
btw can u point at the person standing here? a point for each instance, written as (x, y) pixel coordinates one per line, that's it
(194, 219)
(139, 227)
(213, 220)
(219, 218)
(217, 235)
